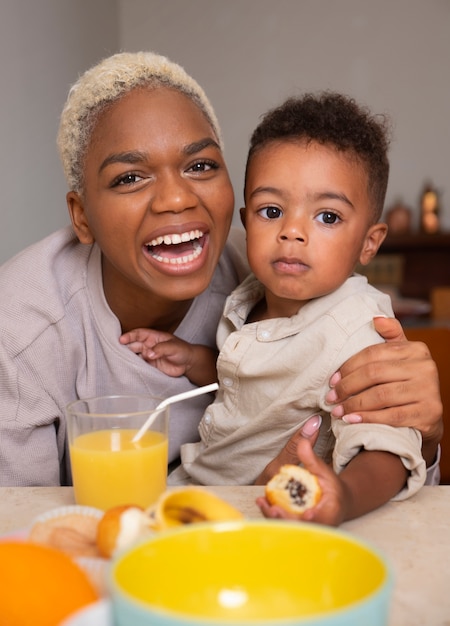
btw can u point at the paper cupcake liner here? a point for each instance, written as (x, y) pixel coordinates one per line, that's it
(70, 509)
(97, 570)
(45, 525)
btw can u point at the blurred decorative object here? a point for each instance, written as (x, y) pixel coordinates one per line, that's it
(398, 219)
(429, 210)
(440, 303)
(384, 270)
(410, 307)
(426, 261)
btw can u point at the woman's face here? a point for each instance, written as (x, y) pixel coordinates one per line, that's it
(157, 197)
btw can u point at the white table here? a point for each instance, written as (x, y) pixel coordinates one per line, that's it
(414, 535)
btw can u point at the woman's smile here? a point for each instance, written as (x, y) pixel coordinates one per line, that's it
(177, 252)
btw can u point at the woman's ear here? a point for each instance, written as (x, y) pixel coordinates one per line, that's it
(374, 238)
(78, 217)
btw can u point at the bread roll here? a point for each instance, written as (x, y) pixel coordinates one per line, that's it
(72, 529)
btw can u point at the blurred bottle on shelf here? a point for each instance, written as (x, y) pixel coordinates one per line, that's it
(429, 210)
(398, 219)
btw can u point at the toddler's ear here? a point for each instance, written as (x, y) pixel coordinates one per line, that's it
(374, 238)
(242, 214)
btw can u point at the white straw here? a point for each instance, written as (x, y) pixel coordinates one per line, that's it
(162, 405)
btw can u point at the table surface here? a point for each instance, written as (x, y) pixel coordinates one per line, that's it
(414, 535)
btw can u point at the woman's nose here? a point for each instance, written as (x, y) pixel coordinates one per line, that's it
(173, 194)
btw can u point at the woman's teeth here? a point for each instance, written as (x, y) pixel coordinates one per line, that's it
(178, 260)
(169, 240)
(157, 245)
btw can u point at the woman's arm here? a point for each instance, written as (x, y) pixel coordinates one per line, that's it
(394, 383)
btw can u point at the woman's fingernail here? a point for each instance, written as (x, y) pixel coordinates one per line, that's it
(352, 418)
(311, 426)
(338, 411)
(331, 396)
(335, 379)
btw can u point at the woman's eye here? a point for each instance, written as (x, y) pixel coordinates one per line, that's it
(328, 217)
(126, 179)
(203, 166)
(270, 212)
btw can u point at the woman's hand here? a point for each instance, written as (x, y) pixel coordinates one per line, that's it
(288, 455)
(394, 383)
(331, 508)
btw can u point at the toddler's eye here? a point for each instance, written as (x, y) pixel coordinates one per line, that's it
(328, 217)
(270, 212)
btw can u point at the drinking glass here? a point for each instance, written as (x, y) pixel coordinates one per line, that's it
(108, 468)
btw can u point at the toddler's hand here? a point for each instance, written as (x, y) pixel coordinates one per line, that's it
(330, 508)
(162, 350)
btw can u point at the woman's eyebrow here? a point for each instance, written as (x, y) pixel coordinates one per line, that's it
(198, 146)
(131, 157)
(135, 156)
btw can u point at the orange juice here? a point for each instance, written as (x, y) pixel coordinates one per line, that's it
(108, 469)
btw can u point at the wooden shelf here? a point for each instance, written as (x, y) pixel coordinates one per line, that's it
(425, 261)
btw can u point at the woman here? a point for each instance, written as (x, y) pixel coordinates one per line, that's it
(151, 206)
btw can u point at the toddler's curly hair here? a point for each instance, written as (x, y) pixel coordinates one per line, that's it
(335, 120)
(104, 84)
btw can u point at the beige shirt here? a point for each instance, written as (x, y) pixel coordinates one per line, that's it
(274, 374)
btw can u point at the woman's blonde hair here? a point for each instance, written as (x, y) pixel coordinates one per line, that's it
(106, 83)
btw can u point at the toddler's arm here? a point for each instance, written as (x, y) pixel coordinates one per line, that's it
(173, 356)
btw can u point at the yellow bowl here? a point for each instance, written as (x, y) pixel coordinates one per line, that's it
(248, 573)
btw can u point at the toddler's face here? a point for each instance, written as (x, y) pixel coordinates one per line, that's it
(308, 221)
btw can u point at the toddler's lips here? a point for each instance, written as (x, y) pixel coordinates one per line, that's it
(290, 265)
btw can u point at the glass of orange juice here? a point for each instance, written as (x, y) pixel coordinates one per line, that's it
(108, 468)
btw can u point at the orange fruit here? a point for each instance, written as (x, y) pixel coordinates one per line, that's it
(115, 523)
(40, 586)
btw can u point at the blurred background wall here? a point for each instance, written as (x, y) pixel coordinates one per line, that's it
(44, 46)
(392, 55)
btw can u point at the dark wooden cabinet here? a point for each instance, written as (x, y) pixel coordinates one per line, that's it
(418, 262)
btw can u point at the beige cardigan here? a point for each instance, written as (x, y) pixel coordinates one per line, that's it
(59, 341)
